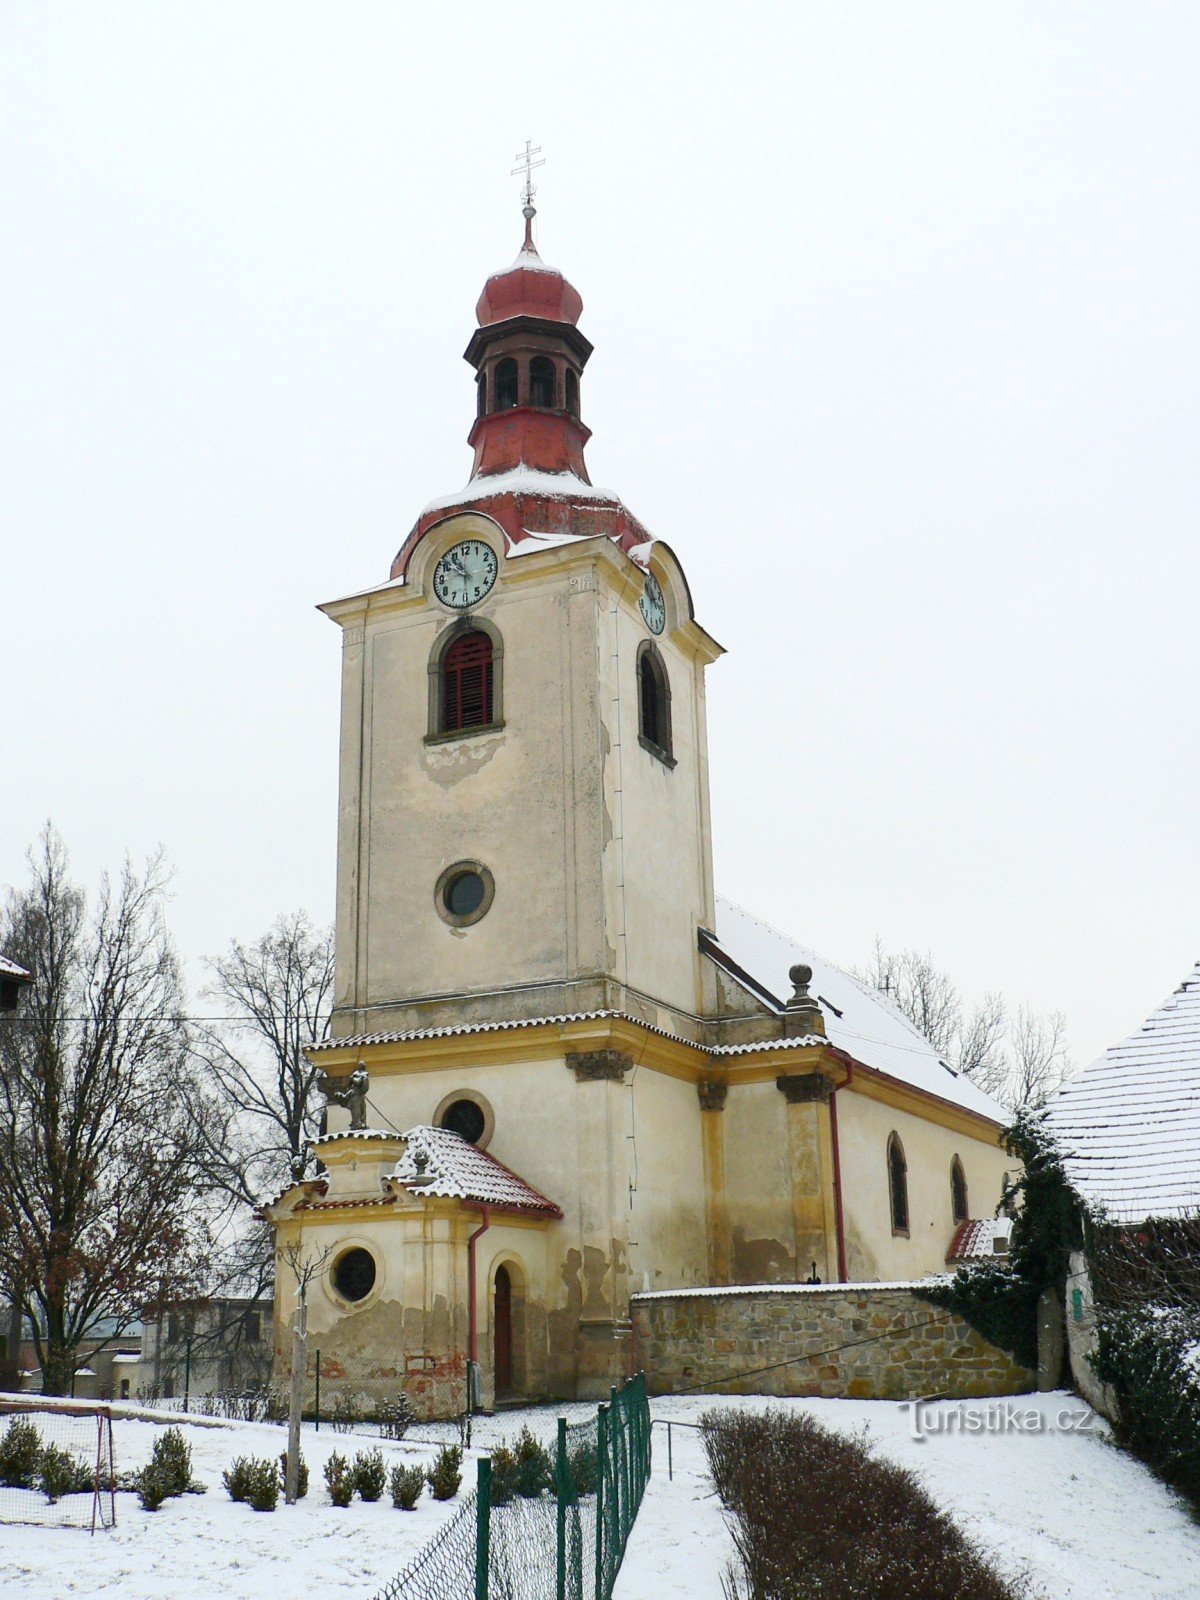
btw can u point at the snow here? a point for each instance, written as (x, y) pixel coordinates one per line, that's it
(522, 480)
(791, 1288)
(1052, 1497)
(458, 1170)
(204, 1545)
(859, 1019)
(10, 969)
(1129, 1125)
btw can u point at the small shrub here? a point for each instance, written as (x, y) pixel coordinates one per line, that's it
(152, 1487)
(236, 1478)
(172, 1458)
(59, 1474)
(339, 1479)
(504, 1475)
(301, 1475)
(445, 1475)
(369, 1474)
(396, 1417)
(406, 1483)
(584, 1467)
(20, 1454)
(344, 1414)
(264, 1485)
(535, 1471)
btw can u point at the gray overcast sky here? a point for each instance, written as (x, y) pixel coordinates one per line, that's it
(895, 316)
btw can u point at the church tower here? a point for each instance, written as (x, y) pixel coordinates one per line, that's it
(524, 822)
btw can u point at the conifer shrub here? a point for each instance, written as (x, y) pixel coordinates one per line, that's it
(1148, 1354)
(236, 1478)
(584, 1465)
(301, 1475)
(20, 1454)
(263, 1486)
(535, 1471)
(445, 1475)
(406, 1486)
(339, 1479)
(172, 1457)
(153, 1487)
(504, 1475)
(60, 1473)
(369, 1474)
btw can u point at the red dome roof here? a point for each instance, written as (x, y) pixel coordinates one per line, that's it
(529, 288)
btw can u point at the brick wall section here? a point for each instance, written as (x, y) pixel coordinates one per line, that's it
(895, 1346)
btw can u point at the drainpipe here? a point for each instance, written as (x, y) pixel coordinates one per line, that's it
(837, 1176)
(472, 1305)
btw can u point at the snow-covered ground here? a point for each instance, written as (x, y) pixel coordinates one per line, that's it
(1055, 1499)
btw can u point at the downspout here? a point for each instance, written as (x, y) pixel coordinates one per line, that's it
(837, 1176)
(472, 1301)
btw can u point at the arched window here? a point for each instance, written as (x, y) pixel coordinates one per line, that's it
(572, 392)
(897, 1184)
(466, 683)
(958, 1191)
(654, 704)
(506, 384)
(541, 382)
(481, 388)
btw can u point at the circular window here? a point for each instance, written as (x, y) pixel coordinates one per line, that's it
(354, 1274)
(466, 1119)
(464, 893)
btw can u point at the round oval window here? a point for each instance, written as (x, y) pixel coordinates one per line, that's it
(464, 894)
(466, 1119)
(354, 1274)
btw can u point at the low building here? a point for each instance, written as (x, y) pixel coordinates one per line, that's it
(208, 1346)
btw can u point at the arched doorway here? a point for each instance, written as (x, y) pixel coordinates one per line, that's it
(502, 1333)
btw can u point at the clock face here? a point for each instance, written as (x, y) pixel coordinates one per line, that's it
(652, 606)
(465, 574)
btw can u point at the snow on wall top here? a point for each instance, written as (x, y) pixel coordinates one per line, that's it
(1128, 1126)
(456, 1170)
(859, 1019)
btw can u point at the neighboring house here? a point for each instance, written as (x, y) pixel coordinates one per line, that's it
(535, 973)
(13, 979)
(104, 1363)
(218, 1345)
(1128, 1131)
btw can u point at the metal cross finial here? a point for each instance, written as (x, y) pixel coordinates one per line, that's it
(526, 162)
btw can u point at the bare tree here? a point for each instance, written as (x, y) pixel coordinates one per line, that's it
(278, 992)
(101, 1191)
(1019, 1062)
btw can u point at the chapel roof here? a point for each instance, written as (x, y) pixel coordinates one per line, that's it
(457, 1170)
(860, 1020)
(979, 1239)
(1128, 1126)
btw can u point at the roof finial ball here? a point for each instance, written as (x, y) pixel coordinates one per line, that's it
(802, 1014)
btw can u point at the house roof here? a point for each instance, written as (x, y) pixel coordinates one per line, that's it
(1128, 1126)
(457, 1170)
(860, 1020)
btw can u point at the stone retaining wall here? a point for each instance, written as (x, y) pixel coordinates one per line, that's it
(866, 1341)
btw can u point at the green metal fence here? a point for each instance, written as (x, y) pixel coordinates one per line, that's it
(562, 1539)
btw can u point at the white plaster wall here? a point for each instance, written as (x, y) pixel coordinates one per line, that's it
(668, 1234)
(758, 1184)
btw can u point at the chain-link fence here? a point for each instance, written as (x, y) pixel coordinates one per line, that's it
(543, 1524)
(56, 1465)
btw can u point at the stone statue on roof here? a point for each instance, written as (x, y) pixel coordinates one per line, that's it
(350, 1093)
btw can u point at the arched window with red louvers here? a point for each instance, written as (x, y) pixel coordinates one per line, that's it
(467, 683)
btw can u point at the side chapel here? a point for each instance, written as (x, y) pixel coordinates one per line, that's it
(562, 1069)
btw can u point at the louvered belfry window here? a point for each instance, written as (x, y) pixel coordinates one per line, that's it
(467, 683)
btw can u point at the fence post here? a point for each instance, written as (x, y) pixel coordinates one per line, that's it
(601, 1469)
(317, 1418)
(560, 1494)
(483, 1526)
(614, 1425)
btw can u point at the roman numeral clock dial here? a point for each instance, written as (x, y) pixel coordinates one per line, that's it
(465, 574)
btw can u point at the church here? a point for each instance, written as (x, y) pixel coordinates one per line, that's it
(562, 1070)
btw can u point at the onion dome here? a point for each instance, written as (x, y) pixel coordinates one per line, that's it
(529, 288)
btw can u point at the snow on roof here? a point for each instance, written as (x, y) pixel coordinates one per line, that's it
(976, 1240)
(10, 969)
(859, 1020)
(521, 480)
(1128, 1126)
(456, 1170)
(124, 1359)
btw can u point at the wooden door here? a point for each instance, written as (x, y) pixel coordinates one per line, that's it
(502, 1332)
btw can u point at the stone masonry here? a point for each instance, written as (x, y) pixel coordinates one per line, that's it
(866, 1341)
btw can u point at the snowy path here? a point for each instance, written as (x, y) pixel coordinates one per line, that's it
(1086, 1521)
